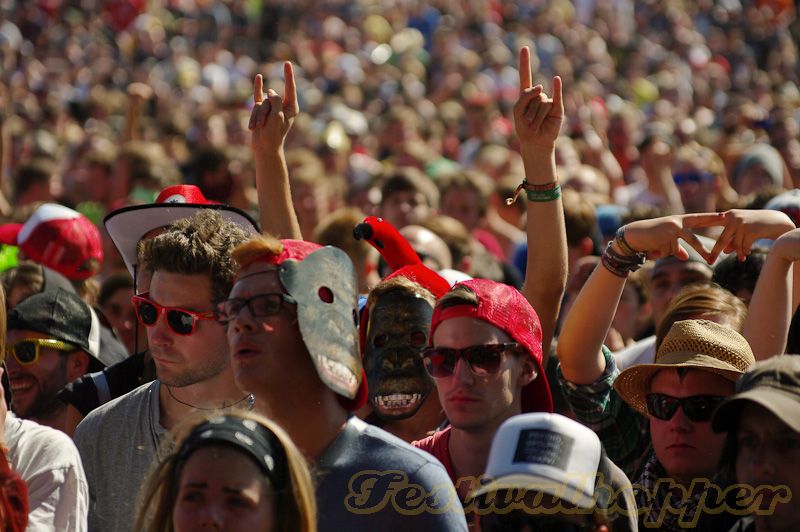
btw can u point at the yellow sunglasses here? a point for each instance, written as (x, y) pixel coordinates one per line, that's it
(27, 351)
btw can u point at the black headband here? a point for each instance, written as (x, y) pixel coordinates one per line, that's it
(245, 434)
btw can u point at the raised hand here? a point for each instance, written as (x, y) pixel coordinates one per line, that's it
(743, 227)
(272, 117)
(270, 122)
(140, 92)
(537, 117)
(658, 237)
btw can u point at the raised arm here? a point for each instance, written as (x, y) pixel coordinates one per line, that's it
(270, 122)
(589, 319)
(5, 206)
(138, 94)
(537, 121)
(770, 310)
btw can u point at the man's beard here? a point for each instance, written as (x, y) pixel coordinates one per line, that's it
(192, 375)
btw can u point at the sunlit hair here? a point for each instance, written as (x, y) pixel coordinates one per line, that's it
(199, 244)
(399, 285)
(295, 506)
(254, 249)
(27, 275)
(706, 301)
(336, 229)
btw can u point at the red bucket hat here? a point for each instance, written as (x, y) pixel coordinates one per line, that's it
(505, 308)
(60, 238)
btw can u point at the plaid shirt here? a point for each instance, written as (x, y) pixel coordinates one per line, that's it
(624, 432)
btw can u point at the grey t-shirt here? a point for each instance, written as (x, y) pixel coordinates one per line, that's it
(368, 479)
(118, 443)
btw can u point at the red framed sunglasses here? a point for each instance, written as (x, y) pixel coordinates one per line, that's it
(182, 322)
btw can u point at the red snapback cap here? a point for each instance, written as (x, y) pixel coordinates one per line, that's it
(504, 307)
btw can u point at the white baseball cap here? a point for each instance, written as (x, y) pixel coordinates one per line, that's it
(547, 453)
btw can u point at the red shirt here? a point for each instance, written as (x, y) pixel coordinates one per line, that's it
(13, 498)
(439, 446)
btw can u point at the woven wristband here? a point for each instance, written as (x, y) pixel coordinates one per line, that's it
(552, 187)
(541, 196)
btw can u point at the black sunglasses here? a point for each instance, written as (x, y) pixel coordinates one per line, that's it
(482, 359)
(520, 520)
(260, 306)
(698, 408)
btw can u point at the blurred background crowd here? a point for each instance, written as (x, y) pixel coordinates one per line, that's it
(671, 106)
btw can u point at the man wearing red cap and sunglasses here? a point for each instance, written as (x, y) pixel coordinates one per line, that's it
(485, 344)
(485, 355)
(191, 271)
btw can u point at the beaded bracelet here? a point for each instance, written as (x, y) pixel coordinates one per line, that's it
(539, 193)
(621, 265)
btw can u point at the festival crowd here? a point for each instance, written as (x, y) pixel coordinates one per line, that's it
(444, 265)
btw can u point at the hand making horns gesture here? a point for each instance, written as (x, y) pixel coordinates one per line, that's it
(537, 117)
(272, 118)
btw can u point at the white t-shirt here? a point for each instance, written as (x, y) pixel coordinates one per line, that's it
(50, 465)
(642, 352)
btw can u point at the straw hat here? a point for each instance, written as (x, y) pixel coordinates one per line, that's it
(696, 344)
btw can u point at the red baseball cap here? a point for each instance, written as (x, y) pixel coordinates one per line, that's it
(60, 238)
(504, 307)
(128, 225)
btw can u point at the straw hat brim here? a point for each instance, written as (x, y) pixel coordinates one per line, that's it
(633, 384)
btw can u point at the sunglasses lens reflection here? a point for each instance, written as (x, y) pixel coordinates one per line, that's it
(180, 322)
(147, 312)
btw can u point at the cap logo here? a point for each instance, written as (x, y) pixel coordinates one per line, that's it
(176, 198)
(537, 446)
